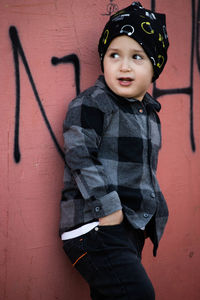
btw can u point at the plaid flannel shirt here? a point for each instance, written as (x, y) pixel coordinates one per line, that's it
(111, 151)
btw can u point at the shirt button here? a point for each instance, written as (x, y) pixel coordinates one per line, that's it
(146, 215)
(153, 195)
(96, 228)
(97, 209)
(140, 111)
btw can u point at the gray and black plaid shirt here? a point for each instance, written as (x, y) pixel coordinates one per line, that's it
(111, 151)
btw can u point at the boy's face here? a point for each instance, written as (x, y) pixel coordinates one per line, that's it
(127, 69)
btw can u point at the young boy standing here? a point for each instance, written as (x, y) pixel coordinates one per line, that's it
(112, 200)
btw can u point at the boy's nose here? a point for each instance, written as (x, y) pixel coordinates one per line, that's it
(125, 66)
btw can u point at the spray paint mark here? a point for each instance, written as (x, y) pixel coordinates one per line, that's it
(19, 52)
(111, 8)
(198, 36)
(191, 254)
(71, 58)
(189, 89)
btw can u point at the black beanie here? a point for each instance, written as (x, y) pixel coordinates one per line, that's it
(144, 26)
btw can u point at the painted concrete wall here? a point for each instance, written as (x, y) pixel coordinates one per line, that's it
(34, 94)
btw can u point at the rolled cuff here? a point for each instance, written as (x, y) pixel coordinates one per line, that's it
(106, 205)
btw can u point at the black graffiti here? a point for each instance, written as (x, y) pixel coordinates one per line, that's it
(189, 89)
(19, 52)
(72, 58)
(111, 8)
(198, 36)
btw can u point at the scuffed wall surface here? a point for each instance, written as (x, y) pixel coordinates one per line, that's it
(42, 43)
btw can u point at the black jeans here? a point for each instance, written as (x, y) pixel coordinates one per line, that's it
(109, 258)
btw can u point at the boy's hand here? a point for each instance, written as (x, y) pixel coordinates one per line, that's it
(112, 219)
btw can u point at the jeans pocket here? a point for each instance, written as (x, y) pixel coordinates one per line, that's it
(113, 235)
(76, 250)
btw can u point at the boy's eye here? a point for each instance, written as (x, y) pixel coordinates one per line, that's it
(114, 55)
(137, 56)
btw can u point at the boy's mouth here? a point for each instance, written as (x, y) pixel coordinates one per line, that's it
(125, 80)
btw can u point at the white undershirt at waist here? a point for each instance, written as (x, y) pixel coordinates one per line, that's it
(79, 231)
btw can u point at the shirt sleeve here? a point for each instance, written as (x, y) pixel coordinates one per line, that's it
(83, 129)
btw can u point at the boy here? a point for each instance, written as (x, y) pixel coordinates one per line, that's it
(112, 201)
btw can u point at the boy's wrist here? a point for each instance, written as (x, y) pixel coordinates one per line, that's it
(112, 219)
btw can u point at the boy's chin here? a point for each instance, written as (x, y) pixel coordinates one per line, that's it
(130, 96)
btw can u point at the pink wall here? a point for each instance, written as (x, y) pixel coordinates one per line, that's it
(32, 262)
